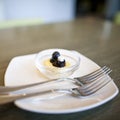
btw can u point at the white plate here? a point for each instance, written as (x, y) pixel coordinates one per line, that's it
(22, 70)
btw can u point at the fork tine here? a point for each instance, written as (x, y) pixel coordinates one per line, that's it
(95, 72)
(98, 76)
(92, 77)
(94, 88)
(101, 71)
(99, 80)
(98, 87)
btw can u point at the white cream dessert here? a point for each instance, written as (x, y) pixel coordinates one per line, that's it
(57, 60)
(48, 63)
(57, 63)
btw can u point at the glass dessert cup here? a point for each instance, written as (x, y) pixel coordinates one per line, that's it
(42, 62)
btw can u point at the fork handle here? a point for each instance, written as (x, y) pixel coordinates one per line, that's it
(10, 89)
(6, 98)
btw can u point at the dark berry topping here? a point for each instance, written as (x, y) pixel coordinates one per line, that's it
(61, 64)
(57, 60)
(55, 55)
(52, 60)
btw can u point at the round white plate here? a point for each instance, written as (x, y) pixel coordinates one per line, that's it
(22, 70)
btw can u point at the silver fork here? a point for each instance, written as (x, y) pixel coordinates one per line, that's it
(80, 91)
(94, 75)
(83, 80)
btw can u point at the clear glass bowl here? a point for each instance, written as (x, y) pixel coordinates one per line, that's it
(43, 64)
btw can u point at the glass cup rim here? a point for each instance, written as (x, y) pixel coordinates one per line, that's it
(49, 68)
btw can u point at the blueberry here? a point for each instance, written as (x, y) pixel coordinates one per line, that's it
(55, 64)
(52, 60)
(61, 64)
(57, 60)
(55, 55)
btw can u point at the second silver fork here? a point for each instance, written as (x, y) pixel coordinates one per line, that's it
(81, 91)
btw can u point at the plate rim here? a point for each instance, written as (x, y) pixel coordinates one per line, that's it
(75, 109)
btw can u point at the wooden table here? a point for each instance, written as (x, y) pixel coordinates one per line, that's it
(83, 35)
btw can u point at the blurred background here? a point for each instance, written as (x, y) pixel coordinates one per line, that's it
(28, 12)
